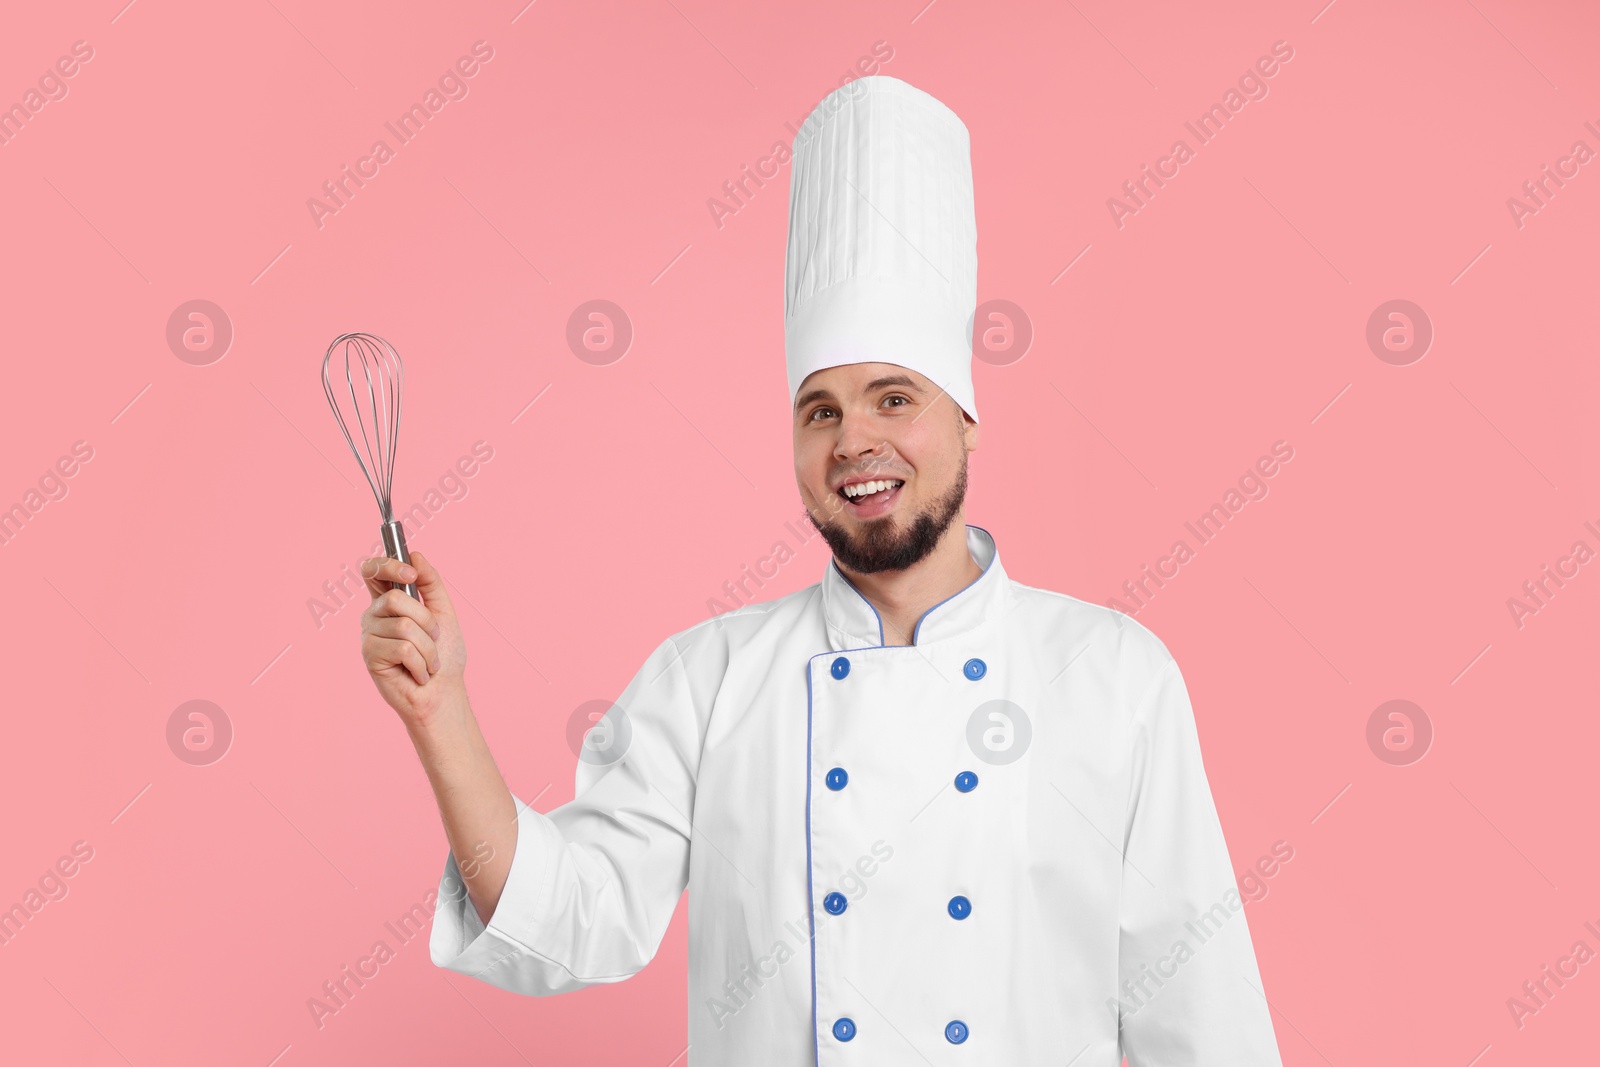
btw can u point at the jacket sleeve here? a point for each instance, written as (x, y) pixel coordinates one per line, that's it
(594, 883)
(1189, 989)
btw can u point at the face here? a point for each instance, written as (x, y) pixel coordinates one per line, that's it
(879, 422)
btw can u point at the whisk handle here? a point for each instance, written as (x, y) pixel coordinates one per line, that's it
(394, 546)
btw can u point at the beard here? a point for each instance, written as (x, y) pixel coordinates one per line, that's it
(884, 544)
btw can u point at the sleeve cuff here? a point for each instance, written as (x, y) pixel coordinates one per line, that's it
(460, 940)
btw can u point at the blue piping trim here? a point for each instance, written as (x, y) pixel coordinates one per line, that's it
(835, 565)
(917, 629)
(811, 924)
(811, 907)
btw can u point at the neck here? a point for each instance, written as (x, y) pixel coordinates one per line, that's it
(902, 597)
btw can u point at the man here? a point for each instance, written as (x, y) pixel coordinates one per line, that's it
(927, 814)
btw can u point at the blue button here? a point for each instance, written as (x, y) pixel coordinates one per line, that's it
(960, 907)
(835, 902)
(844, 1029)
(966, 781)
(837, 778)
(975, 669)
(841, 667)
(955, 1032)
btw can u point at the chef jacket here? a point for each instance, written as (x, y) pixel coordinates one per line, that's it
(995, 845)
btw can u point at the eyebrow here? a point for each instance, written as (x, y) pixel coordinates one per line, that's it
(872, 386)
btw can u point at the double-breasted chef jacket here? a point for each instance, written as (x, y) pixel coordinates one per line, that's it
(996, 845)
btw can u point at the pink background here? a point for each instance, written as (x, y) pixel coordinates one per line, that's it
(1228, 314)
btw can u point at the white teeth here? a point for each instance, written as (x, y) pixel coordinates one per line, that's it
(861, 489)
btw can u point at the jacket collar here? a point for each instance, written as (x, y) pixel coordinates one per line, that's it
(854, 623)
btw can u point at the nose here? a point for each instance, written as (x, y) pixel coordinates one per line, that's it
(857, 441)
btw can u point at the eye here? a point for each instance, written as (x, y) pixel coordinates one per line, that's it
(897, 396)
(817, 411)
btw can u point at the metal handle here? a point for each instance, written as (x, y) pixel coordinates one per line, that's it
(394, 546)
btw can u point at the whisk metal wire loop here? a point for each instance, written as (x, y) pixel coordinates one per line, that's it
(374, 377)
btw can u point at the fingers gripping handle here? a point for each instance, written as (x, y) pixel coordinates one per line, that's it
(394, 546)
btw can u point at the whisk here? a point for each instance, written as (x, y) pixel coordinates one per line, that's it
(374, 377)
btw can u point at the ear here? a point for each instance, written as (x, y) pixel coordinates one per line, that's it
(969, 432)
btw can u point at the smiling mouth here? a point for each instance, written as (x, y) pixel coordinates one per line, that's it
(870, 492)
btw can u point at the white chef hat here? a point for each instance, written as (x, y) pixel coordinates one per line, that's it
(882, 263)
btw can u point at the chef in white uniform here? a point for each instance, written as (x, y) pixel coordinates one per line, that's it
(926, 814)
